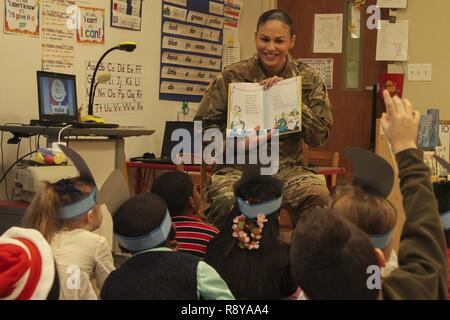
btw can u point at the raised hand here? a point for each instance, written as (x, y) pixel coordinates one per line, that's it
(400, 123)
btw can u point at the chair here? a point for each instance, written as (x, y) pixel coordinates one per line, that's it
(323, 160)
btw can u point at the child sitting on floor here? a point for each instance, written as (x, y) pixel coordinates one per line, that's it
(364, 201)
(333, 259)
(66, 213)
(248, 253)
(183, 201)
(143, 228)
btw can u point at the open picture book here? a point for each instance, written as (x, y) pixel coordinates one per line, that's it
(279, 107)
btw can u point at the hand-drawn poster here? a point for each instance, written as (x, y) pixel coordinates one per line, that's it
(191, 48)
(22, 17)
(328, 33)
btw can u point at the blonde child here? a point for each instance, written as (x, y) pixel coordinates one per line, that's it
(66, 213)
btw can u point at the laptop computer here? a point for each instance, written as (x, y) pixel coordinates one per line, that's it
(168, 144)
(57, 95)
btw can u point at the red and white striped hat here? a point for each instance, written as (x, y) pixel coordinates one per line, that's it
(27, 268)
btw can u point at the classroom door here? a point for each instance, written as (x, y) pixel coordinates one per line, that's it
(352, 105)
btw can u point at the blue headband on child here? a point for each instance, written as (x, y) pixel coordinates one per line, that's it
(75, 209)
(381, 241)
(266, 208)
(445, 220)
(149, 241)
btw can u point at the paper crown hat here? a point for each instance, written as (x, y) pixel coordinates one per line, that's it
(370, 171)
(373, 174)
(113, 193)
(252, 173)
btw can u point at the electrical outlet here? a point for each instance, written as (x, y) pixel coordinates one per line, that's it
(419, 72)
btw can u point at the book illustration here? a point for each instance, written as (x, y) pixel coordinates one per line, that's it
(249, 106)
(237, 125)
(434, 127)
(441, 152)
(281, 123)
(430, 161)
(424, 140)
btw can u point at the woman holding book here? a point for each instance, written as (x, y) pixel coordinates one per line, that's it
(272, 63)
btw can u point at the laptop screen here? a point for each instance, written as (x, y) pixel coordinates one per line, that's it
(168, 144)
(57, 97)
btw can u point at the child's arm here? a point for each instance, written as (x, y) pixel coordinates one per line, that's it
(104, 263)
(422, 254)
(210, 286)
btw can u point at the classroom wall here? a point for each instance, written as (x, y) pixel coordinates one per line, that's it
(20, 57)
(428, 43)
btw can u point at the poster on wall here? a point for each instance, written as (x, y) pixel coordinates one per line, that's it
(126, 14)
(91, 26)
(191, 48)
(21, 17)
(58, 24)
(123, 93)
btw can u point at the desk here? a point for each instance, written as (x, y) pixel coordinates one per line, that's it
(103, 149)
(141, 168)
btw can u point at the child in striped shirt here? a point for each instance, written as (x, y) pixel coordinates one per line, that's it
(183, 200)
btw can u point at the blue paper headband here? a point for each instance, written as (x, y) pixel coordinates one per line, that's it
(381, 241)
(445, 220)
(78, 208)
(149, 241)
(252, 211)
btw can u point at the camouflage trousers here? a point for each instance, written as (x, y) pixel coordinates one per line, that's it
(303, 189)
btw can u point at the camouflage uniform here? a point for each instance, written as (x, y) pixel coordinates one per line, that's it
(303, 188)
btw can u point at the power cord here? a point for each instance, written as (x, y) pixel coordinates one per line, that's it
(17, 157)
(3, 162)
(60, 132)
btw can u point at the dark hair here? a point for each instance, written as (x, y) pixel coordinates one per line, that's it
(442, 193)
(139, 216)
(330, 256)
(175, 187)
(368, 210)
(253, 274)
(276, 15)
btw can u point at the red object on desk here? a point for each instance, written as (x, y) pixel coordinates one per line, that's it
(328, 172)
(14, 204)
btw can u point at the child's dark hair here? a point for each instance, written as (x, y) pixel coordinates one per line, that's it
(276, 15)
(442, 193)
(330, 256)
(139, 216)
(252, 274)
(368, 210)
(175, 187)
(42, 213)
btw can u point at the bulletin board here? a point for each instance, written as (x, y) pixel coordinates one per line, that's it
(191, 48)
